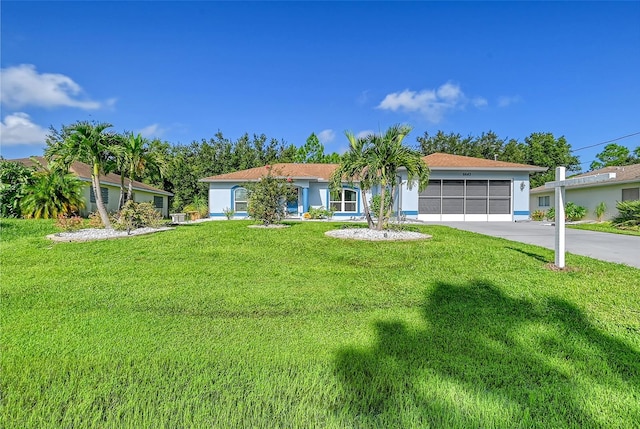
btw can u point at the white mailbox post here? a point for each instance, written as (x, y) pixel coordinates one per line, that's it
(559, 184)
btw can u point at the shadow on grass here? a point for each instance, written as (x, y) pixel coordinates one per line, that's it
(489, 360)
(535, 256)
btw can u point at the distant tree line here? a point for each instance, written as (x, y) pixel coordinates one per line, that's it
(177, 168)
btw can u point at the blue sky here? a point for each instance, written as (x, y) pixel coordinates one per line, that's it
(181, 71)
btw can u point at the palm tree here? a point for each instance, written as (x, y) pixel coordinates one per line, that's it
(138, 158)
(353, 166)
(85, 142)
(53, 192)
(376, 160)
(389, 155)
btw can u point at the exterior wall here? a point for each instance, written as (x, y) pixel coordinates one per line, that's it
(519, 196)
(114, 198)
(588, 197)
(221, 197)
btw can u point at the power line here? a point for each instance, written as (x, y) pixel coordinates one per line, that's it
(608, 141)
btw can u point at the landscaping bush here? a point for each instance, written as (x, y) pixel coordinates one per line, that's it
(69, 223)
(228, 213)
(600, 210)
(572, 212)
(268, 197)
(628, 215)
(319, 213)
(538, 215)
(137, 215)
(95, 221)
(199, 208)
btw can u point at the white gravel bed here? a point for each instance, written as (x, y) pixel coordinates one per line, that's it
(374, 235)
(101, 234)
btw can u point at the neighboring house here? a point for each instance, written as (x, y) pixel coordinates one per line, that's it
(460, 189)
(110, 188)
(625, 187)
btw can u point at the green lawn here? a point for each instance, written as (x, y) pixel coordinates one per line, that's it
(604, 227)
(219, 325)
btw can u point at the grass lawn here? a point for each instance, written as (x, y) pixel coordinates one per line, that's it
(604, 227)
(219, 325)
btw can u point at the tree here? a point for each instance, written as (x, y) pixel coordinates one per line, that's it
(14, 177)
(354, 167)
(86, 142)
(268, 197)
(376, 161)
(312, 152)
(544, 150)
(53, 192)
(137, 159)
(613, 155)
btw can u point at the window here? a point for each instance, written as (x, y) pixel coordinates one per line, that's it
(240, 199)
(158, 202)
(631, 194)
(345, 200)
(104, 192)
(543, 201)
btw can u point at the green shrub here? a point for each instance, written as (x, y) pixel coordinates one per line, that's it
(600, 210)
(268, 198)
(538, 215)
(628, 215)
(320, 213)
(572, 212)
(137, 215)
(228, 213)
(551, 214)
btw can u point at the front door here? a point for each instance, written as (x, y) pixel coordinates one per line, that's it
(292, 206)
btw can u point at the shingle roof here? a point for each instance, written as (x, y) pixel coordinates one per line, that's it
(437, 161)
(83, 171)
(322, 172)
(624, 174)
(297, 171)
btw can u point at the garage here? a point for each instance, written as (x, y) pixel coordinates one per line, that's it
(466, 199)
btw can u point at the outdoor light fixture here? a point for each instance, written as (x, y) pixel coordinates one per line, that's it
(522, 186)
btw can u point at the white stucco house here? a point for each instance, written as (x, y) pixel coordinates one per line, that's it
(625, 187)
(460, 189)
(110, 188)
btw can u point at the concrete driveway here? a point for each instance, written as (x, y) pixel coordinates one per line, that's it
(622, 249)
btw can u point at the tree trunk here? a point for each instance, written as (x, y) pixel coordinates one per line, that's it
(95, 182)
(383, 188)
(121, 198)
(365, 204)
(130, 191)
(394, 188)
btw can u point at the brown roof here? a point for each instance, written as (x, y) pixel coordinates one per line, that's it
(442, 161)
(296, 171)
(322, 172)
(83, 171)
(624, 174)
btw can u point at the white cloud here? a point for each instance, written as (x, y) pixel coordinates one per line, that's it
(326, 136)
(151, 131)
(433, 104)
(23, 86)
(505, 101)
(18, 129)
(480, 102)
(364, 133)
